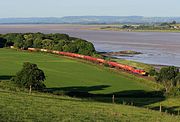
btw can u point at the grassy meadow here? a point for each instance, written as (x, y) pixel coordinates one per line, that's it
(64, 73)
(20, 106)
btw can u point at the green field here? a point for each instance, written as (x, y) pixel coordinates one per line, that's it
(64, 73)
(20, 106)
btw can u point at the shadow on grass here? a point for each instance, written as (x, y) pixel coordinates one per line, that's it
(86, 91)
(77, 91)
(5, 77)
(172, 110)
(138, 98)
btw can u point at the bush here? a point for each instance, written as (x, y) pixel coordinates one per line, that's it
(153, 72)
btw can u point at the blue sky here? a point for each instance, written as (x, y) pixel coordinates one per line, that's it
(59, 8)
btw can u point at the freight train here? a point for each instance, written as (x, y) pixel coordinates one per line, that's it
(95, 60)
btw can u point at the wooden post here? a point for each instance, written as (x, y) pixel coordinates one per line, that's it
(113, 99)
(30, 89)
(132, 103)
(160, 108)
(166, 111)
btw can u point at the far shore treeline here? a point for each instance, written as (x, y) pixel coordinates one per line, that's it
(60, 42)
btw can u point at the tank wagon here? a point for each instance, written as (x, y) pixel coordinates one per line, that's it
(95, 60)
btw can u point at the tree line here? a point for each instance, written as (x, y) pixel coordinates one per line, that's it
(60, 42)
(157, 26)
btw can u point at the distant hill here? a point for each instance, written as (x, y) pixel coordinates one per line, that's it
(89, 20)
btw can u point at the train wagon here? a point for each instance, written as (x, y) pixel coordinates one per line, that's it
(80, 56)
(112, 64)
(32, 49)
(101, 60)
(66, 54)
(129, 68)
(44, 50)
(56, 52)
(89, 58)
(121, 66)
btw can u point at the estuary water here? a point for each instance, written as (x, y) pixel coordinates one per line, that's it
(157, 47)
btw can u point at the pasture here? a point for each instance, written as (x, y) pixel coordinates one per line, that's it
(68, 74)
(44, 108)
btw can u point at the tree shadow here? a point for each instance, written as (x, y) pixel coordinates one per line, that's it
(172, 110)
(6, 77)
(138, 98)
(77, 91)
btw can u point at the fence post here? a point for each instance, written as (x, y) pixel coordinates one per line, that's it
(113, 99)
(132, 104)
(160, 108)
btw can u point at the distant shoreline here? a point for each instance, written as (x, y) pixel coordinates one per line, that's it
(96, 27)
(125, 30)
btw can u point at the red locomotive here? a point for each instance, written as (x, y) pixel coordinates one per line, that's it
(96, 60)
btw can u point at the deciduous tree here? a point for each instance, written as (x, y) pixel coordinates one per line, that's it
(30, 77)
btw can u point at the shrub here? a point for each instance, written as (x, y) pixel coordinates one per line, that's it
(153, 72)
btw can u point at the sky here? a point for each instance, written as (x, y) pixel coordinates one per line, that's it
(60, 8)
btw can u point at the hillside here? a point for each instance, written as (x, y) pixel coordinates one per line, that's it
(88, 20)
(91, 84)
(64, 74)
(20, 106)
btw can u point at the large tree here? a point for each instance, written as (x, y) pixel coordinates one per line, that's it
(30, 77)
